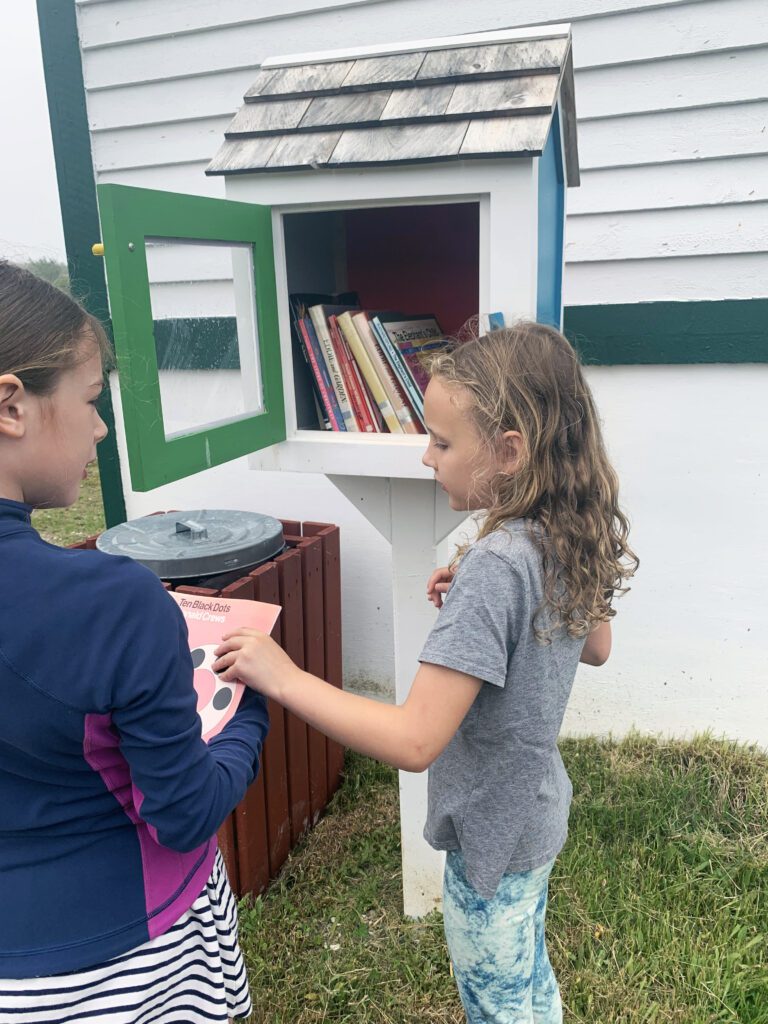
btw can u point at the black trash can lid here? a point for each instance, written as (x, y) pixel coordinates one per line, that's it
(204, 542)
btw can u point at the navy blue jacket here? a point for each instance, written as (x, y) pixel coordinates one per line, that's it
(109, 798)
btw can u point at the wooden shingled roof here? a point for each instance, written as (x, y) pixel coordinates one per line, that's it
(487, 95)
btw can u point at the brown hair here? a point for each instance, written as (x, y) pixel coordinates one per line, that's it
(42, 330)
(528, 378)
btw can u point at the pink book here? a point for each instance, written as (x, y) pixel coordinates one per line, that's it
(208, 619)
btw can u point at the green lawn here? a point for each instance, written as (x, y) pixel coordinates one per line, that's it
(69, 525)
(658, 911)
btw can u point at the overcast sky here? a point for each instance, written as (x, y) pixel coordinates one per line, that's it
(30, 220)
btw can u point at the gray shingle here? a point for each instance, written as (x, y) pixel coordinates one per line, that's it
(436, 103)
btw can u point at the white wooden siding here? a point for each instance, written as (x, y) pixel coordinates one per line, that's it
(672, 101)
(673, 109)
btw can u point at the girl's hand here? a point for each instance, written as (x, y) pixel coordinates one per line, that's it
(255, 659)
(439, 583)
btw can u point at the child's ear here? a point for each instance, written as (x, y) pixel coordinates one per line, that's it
(12, 399)
(512, 451)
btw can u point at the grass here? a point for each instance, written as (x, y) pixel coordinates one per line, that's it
(658, 910)
(659, 901)
(66, 526)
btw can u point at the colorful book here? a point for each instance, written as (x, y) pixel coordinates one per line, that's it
(208, 619)
(319, 316)
(369, 372)
(322, 377)
(393, 389)
(400, 368)
(417, 338)
(346, 363)
(310, 407)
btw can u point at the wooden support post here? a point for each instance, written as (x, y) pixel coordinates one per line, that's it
(414, 516)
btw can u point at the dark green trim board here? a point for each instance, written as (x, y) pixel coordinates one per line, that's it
(197, 343)
(728, 331)
(77, 197)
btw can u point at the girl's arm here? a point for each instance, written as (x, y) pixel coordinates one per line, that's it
(409, 736)
(597, 646)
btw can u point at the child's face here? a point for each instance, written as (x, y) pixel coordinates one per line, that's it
(62, 432)
(463, 463)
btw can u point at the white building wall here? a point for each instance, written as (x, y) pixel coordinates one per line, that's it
(673, 137)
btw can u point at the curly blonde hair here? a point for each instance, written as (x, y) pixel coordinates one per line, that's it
(528, 378)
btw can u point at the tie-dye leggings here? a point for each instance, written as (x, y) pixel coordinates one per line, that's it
(497, 947)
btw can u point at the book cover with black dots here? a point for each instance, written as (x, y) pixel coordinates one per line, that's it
(208, 619)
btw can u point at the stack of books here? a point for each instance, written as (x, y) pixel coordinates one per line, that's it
(369, 369)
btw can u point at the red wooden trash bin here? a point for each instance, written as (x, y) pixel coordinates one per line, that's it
(300, 768)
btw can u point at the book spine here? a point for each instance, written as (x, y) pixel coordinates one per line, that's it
(320, 371)
(396, 397)
(400, 368)
(414, 362)
(368, 371)
(359, 409)
(326, 346)
(370, 403)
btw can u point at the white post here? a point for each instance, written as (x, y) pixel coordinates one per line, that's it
(414, 516)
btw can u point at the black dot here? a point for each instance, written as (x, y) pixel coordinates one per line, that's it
(222, 698)
(198, 657)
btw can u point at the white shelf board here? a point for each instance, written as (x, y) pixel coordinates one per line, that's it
(342, 454)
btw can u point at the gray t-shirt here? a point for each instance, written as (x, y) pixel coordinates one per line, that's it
(499, 791)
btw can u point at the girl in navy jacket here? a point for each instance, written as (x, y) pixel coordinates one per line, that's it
(114, 904)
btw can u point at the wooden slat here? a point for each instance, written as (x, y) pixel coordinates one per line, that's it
(506, 135)
(241, 154)
(303, 150)
(240, 590)
(292, 527)
(273, 760)
(250, 821)
(395, 67)
(289, 573)
(534, 55)
(350, 108)
(570, 140)
(250, 815)
(425, 101)
(228, 847)
(198, 591)
(332, 619)
(267, 116)
(393, 144)
(311, 552)
(304, 78)
(527, 92)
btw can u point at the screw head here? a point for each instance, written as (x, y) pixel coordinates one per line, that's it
(131, 247)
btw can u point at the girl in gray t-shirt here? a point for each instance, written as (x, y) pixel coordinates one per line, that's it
(514, 435)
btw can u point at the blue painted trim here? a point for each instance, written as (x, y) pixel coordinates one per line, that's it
(551, 214)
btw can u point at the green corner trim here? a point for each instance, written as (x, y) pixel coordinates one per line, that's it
(728, 331)
(77, 196)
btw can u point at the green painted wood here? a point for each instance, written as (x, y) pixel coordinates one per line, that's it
(729, 331)
(77, 197)
(128, 217)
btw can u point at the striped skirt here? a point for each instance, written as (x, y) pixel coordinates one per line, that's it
(193, 974)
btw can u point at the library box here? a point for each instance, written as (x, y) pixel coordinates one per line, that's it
(423, 181)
